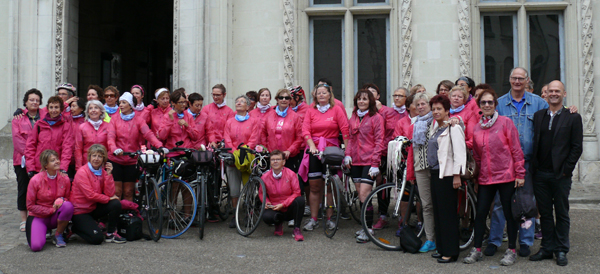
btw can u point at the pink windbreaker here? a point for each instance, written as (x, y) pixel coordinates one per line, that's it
(236, 132)
(284, 134)
(58, 137)
(405, 128)
(327, 125)
(365, 143)
(200, 124)
(87, 136)
(302, 110)
(256, 113)
(155, 118)
(41, 193)
(128, 136)
(89, 189)
(215, 118)
(172, 132)
(498, 153)
(470, 117)
(391, 119)
(337, 104)
(283, 190)
(21, 128)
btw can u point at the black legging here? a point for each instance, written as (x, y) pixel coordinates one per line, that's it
(86, 227)
(485, 198)
(22, 184)
(444, 198)
(295, 211)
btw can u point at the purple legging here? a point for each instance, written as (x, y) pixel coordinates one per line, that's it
(37, 227)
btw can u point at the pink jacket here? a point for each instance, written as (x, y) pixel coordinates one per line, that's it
(498, 153)
(76, 122)
(89, 189)
(391, 119)
(200, 124)
(236, 132)
(172, 132)
(337, 104)
(21, 128)
(365, 143)
(302, 110)
(128, 136)
(42, 192)
(284, 134)
(87, 136)
(327, 125)
(216, 118)
(405, 128)
(58, 137)
(283, 190)
(155, 118)
(470, 118)
(256, 112)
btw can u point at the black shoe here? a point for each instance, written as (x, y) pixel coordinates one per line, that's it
(541, 255)
(232, 223)
(524, 251)
(436, 255)
(561, 258)
(449, 260)
(490, 250)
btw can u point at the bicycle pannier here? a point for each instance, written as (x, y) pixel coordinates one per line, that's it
(149, 160)
(333, 156)
(130, 226)
(202, 157)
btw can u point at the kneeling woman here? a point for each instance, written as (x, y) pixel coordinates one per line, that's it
(46, 202)
(284, 201)
(93, 197)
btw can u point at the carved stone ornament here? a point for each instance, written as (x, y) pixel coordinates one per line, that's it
(464, 34)
(288, 43)
(58, 42)
(406, 34)
(175, 43)
(587, 54)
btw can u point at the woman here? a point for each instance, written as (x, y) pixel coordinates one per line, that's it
(365, 145)
(216, 115)
(469, 85)
(21, 129)
(238, 130)
(51, 132)
(111, 94)
(77, 118)
(253, 96)
(138, 92)
(156, 114)
(297, 103)
(195, 102)
(458, 99)
(446, 157)
(47, 196)
(479, 89)
(496, 140)
(93, 131)
(126, 133)
(93, 197)
(94, 93)
(418, 89)
(284, 201)
(320, 129)
(262, 106)
(178, 124)
(444, 87)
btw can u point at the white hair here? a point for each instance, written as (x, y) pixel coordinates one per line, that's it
(98, 104)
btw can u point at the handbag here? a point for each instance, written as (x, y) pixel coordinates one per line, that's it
(522, 205)
(333, 156)
(130, 226)
(408, 239)
(202, 157)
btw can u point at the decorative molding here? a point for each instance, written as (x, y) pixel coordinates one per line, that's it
(589, 121)
(464, 35)
(406, 36)
(175, 44)
(288, 43)
(58, 42)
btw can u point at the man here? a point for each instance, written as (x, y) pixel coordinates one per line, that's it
(545, 92)
(557, 146)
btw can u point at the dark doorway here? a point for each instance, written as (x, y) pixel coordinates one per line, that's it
(123, 43)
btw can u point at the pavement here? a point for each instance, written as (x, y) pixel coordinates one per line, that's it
(223, 250)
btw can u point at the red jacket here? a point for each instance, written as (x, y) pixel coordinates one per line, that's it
(327, 125)
(498, 153)
(216, 118)
(284, 134)
(172, 132)
(155, 118)
(87, 136)
(236, 132)
(128, 136)
(283, 190)
(89, 189)
(58, 137)
(365, 143)
(42, 192)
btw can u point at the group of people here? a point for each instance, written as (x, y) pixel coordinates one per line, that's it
(518, 140)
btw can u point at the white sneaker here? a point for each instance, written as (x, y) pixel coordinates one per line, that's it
(291, 223)
(306, 211)
(362, 237)
(358, 232)
(312, 224)
(330, 225)
(509, 258)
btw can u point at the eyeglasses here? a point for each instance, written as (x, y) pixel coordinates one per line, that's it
(33, 100)
(110, 96)
(486, 102)
(276, 160)
(398, 96)
(518, 79)
(217, 95)
(182, 103)
(284, 98)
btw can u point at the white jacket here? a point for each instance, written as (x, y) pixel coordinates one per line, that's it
(452, 152)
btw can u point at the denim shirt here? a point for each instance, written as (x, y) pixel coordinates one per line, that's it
(524, 120)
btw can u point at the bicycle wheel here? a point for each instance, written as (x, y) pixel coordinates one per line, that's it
(352, 201)
(203, 203)
(332, 205)
(387, 237)
(179, 207)
(466, 222)
(152, 207)
(223, 201)
(250, 208)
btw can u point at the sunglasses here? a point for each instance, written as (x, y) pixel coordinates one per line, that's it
(483, 103)
(110, 96)
(284, 98)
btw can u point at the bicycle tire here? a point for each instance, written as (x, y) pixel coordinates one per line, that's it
(386, 237)
(153, 209)
(470, 213)
(333, 181)
(224, 201)
(177, 221)
(249, 204)
(352, 200)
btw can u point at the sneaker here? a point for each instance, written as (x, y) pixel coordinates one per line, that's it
(330, 225)
(381, 223)
(278, 229)
(345, 215)
(524, 251)
(306, 211)
(538, 235)
(427, 246)
(358, 232)
(48, 234)
(362, 237)
(232, 223)
(114, 238)
(312, 224)
(473, 257)
(212, 218)
(490, 250)
(509, 258)
(298, 235)
(504, 237)
(68, 232)
(291, 223)
(59, 240)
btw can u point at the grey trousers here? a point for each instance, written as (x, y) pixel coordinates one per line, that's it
(424, 185)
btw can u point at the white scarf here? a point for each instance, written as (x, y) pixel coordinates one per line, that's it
(361, 113)
(139, 107)
(400, 110)
(96, 124)
(324, 108)
(263, 108)
(278, 176)
(221, 105)
(50, 176)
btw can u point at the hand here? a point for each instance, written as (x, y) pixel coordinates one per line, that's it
(573, 109)
(454, 121)
(213, 145)
(31, 174)
(18, 116)
(373, 172)
(71, 100)
(171, 113)
(412, 182)
(456, 182)
(313, 150)
(18, 113)
(182, 123)
(268, 205)
(114, 197)
(347, 161)
(118, 151)
(63, 171)
(286, 154)
(378, 104)
(108, 167)
(519, 182)
(164, 150)
(278, 207)
(58, 202)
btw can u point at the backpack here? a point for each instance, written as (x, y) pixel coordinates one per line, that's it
(408, 239)
(130, 226)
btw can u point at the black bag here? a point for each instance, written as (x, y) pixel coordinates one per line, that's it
(130, 226)
(183, 169)
(333, 156)
(408, 239)
(522, 205)
(202, 157)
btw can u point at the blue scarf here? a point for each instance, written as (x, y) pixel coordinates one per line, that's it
(193, 114)
(282, 113)
(457, 110)
(242, 118)
(128, 116)
(420, 128)
(97, 172)
(111, 110)
(180, 116)
(295, 109)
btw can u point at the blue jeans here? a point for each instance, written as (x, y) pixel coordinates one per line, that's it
(498, 221)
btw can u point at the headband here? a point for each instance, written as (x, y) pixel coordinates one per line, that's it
(158, 92)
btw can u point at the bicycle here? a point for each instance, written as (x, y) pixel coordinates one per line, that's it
(150, 203)
(331, 207)
(349, 194)
(467, 210)
(250, 209)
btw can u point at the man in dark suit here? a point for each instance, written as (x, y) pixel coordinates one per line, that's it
(557, 146)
